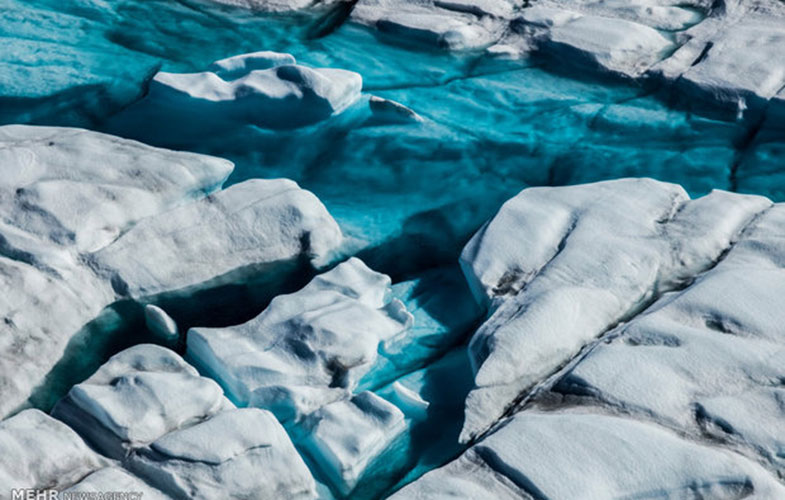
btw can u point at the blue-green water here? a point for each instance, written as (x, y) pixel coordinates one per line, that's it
(415, 191)
(412, 193)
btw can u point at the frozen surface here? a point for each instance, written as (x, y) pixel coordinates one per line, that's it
(707, 360)
(61, 202)
(259, 223)
(138, 396)
(264, 89)
(244, 453)
(40, 452)
(560, 266)
(78, 236)
(307, 348)
(574, 455)
(412, 121)
(115, 479)
(346, 436)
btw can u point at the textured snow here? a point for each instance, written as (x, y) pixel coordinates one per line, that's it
(453, 25)
(57, 187)
(76, 236)
(307, 348)
(265, 90)
(138, 396)
(707, 360)
(37, 451)
(712, 53)
(114, 479)
(254, 93)
(264, 223)
(574, 455)
(560, 266)
(244, 453)
(344, 437)
(614, 44)
(681, 398)
(59, 202)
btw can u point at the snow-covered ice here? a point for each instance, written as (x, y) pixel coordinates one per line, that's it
(60, 202)
(307, 348)
(632, 343)
(114, 479)
(708, 360)
(257, 225)
(138, 396)
(345, 437)
(263, 89)
(242, 453)
(39, 452)
(575, 455)
(560, 266)
(77, 236)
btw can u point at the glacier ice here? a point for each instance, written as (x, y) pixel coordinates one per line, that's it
(269, 91)
(114, 479)
(260, 90)
(706, 360)
(307, 348)
(137, 396)
(257, 223)
(576, 455)
(630, 327)
(243, 452)
(78, 237)
(161, 324)
(613, 44)
(41, 452)
(560, 266)
(346, 436)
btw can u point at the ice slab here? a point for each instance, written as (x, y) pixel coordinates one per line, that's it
(39, 452)
(707, 360)
(307, 348)
(136, 397)
(79, 236)
(243, 453)
(345, 437)
(560, 266)
(606, 456)
(252, 226)
(114, 479)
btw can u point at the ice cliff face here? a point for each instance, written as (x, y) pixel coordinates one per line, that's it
(449, 298)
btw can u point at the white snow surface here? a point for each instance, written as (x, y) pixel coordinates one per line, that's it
(60, 201)
(265, 89)
(77, 235)
(307, 348)
(726, 53)
(561, 266)
(244, 453)
(262, 223)
(708, 360)
(345, 437)
(138, 396)
(575, 455)
(114, 479)
(39, 452)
